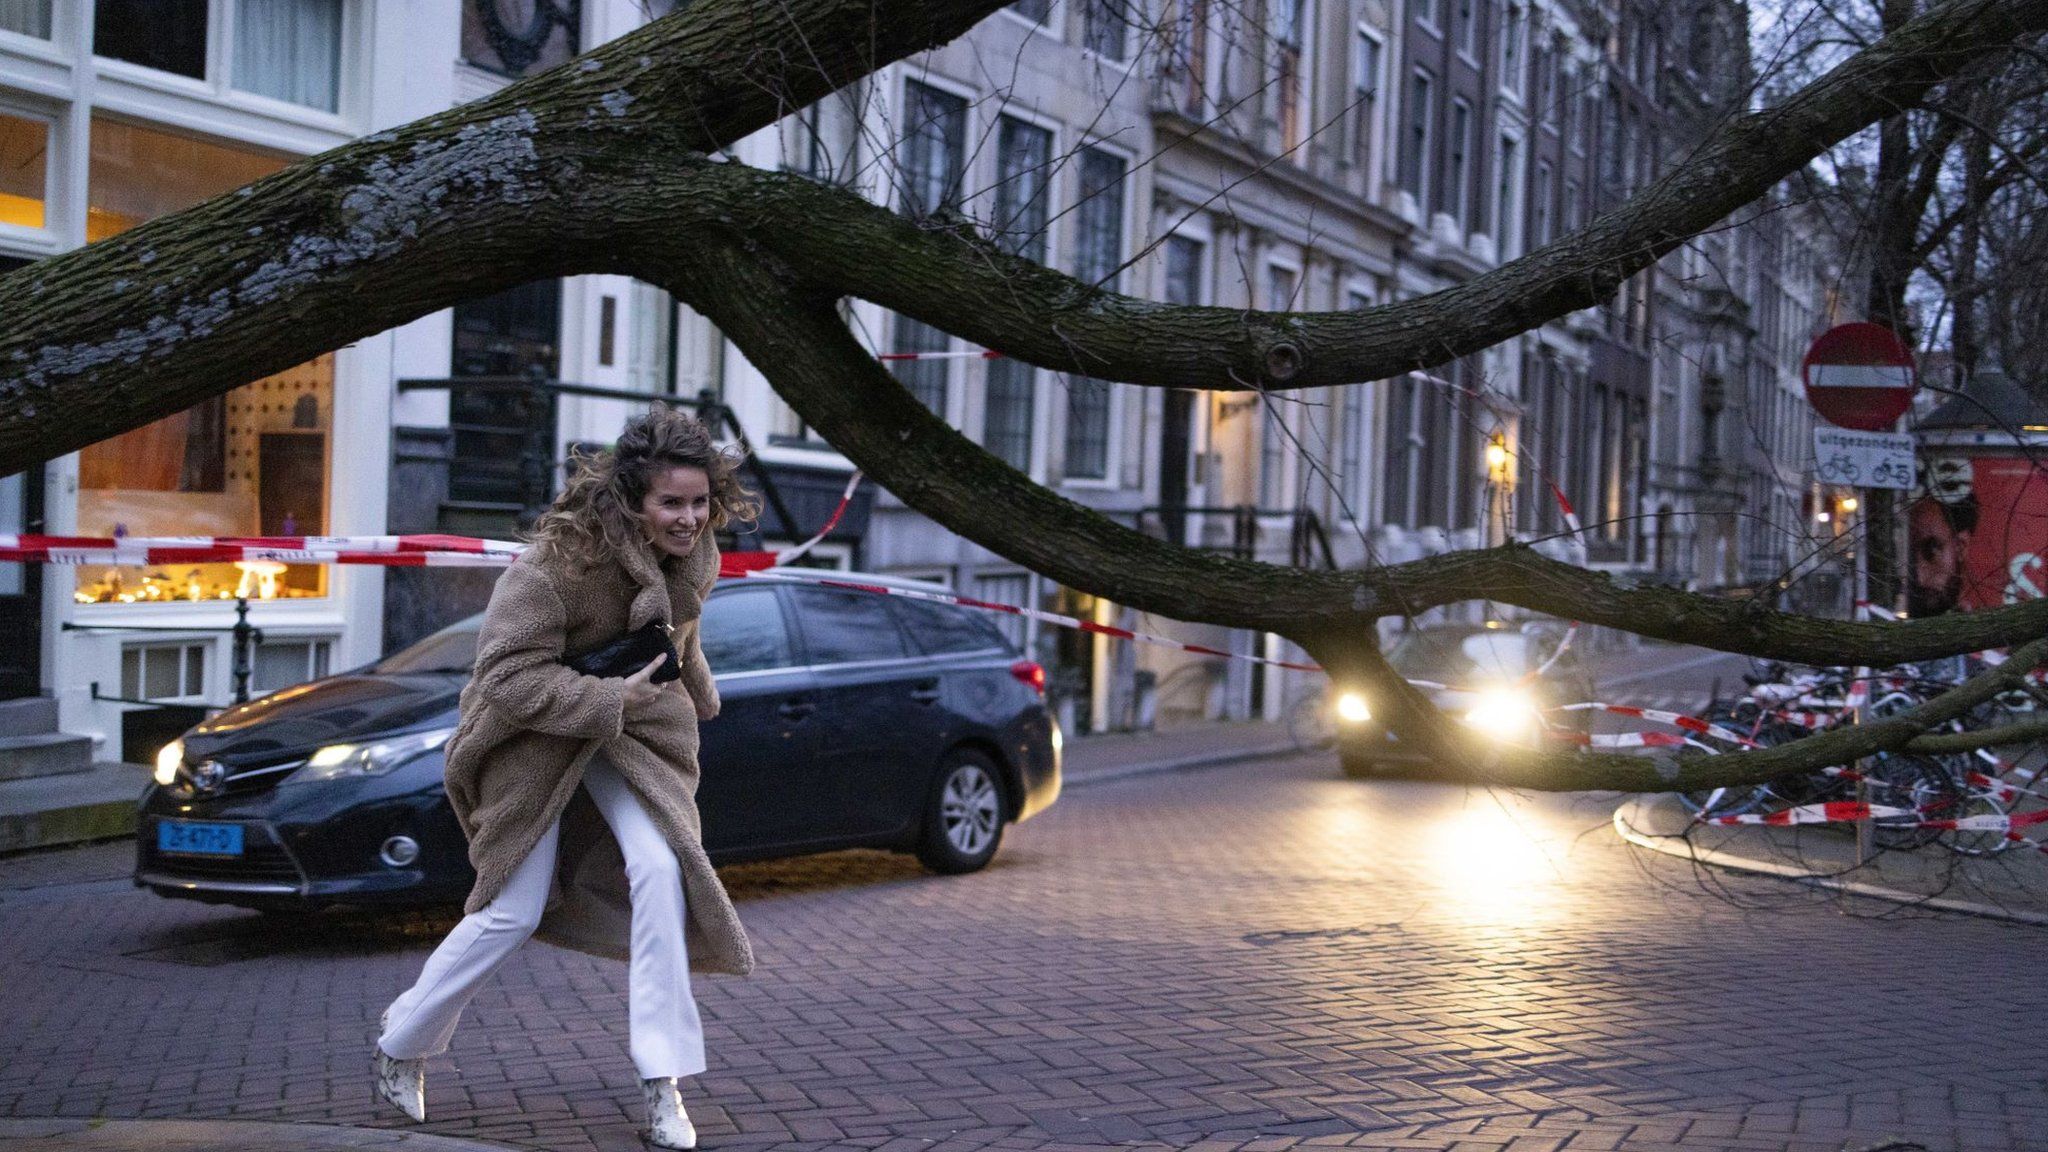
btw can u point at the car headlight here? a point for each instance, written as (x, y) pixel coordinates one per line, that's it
(375, 759)
(1352, 709)
(1508, 715)
(168, 758)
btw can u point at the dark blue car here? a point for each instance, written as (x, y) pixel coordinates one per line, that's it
(849, 720)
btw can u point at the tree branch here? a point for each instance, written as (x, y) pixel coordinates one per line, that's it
(791, 330)
(515, 187)
(1045, 318)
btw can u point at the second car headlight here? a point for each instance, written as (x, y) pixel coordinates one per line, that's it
(373, 759)
(168, 758)
(1508, 715)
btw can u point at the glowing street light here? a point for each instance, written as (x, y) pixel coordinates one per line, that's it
(1497, 458)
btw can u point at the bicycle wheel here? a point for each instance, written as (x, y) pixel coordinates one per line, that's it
(1919, 784)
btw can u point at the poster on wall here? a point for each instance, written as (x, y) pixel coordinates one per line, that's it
(1977, 534)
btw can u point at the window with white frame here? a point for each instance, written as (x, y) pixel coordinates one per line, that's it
(27, 17)
(1285, 17)
(1573, 205)
(1105, 27)
(281, 664)
(1544, 63)
(1511, 31)
(650, 339)
(1467, 30)
(1506, 204)
(287, 50)
(1367, 50)
(1351, 438)
(1087, 436)
(934, 148)
(1546, 191)
(24, 170)
(926, 379)
(1184, 269)
(1415, 137)
(1007, 415)
(1457, 199)
(1099, 218)
(1023, 188)
(164, 671)
(1578, 111)
(1430, 12)
(1188, 60)
(1098, 259)
(1036, 11)
(824, 141)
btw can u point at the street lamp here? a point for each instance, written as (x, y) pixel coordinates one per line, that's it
(1497, 458)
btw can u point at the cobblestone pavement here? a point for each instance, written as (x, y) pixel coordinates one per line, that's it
(1257, 957)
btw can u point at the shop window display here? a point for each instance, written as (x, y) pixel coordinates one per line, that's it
(24, 168)
(254, 462)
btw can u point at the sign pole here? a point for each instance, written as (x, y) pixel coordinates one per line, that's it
(1861, 376)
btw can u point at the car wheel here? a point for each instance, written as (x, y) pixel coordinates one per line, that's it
(1356, 764)
(963, 820)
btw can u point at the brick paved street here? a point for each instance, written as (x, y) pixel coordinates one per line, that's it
(1261, 956)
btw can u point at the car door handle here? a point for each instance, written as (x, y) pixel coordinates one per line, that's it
(925, 692)
(796, 709)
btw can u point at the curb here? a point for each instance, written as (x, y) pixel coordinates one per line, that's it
(1714, 857)
(1178, 764)
(61, 1134)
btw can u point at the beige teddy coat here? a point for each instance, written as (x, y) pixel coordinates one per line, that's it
(530, 724)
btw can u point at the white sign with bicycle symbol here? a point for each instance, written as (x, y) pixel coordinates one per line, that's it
(1863, 459)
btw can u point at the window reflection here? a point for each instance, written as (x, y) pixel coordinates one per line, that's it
(24, 169)
(253, 462)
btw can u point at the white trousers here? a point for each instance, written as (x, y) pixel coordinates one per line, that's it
(666, 1039)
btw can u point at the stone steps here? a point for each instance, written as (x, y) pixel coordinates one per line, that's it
(51, 791)
(29, 716)
(44, 754)
(95, 804)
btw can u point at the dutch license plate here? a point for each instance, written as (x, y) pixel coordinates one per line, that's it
(199, 839)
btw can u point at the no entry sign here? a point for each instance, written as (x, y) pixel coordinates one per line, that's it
(1860, 376)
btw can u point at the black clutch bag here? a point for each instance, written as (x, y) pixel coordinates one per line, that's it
(630, 653)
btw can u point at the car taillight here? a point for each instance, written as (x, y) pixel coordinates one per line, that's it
(1030, 672)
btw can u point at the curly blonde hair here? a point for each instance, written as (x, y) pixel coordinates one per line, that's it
(597, 516)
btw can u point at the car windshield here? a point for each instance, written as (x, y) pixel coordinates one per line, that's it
(1428, 655)
(452, 649)
(1455, 655)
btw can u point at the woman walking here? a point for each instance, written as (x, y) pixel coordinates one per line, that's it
(577, 791)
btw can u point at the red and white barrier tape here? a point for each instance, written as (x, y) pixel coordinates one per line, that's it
(57, 549)
(1678, 720)
(1850, 811)
(1626, 739)
(233, 554)
(1830, 812)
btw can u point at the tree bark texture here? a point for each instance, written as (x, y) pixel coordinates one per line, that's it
(588, 166)
(542, 179)
(791, 329)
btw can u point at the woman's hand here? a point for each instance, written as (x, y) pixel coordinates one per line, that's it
(641, 690)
